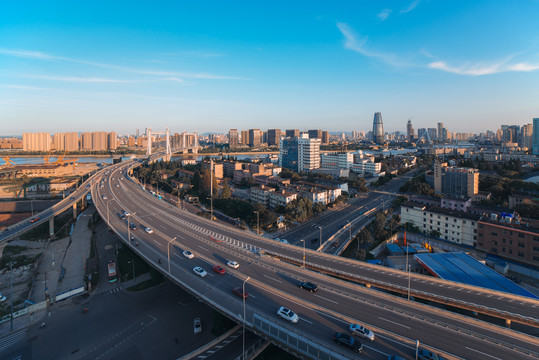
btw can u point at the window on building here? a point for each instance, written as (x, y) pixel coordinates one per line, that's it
(521, 245)
(494, 233)
(536, 248)
(521, 235)
(521, 254)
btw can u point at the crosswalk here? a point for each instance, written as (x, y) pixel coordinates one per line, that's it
(12, 339)
(219, 346)
(113, 291)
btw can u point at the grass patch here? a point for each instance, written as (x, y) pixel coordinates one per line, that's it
(13, 249)
(125, 258)
(221, 323)
(18, 261)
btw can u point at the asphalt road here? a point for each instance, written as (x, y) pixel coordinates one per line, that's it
(274, 283)
(121, 325)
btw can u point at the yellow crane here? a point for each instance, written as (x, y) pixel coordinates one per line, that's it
(46, 159)
(8, 161)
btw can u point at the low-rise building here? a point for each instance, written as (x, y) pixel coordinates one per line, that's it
(281, 198)
(451, 225)
(343, 160)
(504, 237)
(455, 203)
(261, 194)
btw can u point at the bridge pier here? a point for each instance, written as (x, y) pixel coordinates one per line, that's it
(74, 210)
(51, 226)
(84, 202)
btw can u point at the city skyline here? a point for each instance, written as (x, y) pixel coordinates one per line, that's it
(212, 68)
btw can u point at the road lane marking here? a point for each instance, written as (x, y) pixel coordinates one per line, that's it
(202, 247)
(306, 321)
(156, 242)
(368, 347)
(321, 297)
(396, 323)
(482, 353)
(269, 277)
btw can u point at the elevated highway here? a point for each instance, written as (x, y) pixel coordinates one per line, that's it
(272, 282)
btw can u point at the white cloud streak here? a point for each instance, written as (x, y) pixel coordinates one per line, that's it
(384, 14)
(43, 56)
(355, 43)
(481, 69)
(410, 7)
(77, 79)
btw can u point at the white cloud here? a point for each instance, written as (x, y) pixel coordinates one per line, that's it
(480, 69)
(384, 14)
(411, 7)
(355, 43)
(44, 56)
(76, 79)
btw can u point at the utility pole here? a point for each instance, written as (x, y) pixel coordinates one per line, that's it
(211, 189)
(11, 294)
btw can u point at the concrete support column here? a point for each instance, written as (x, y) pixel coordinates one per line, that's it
(74, 210)
(84, 202)
(508, 323)
(51, 226)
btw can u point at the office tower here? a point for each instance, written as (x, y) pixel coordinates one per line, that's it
(378, 129)
(255, 137)
(233, 138)
(439, 133)
(535, 141)
(409, 130)
(526, 136)
(315, 134)
(510, 133)
(325, 137)
(432, 133)
(292, 133)
(36, 141)
(274, 135)
(112, 141)
(245, 137)
(299, 153)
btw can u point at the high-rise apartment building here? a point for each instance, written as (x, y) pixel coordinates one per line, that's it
(432, 133)
(455, 181)
(299, 153)
(440, 130)
(325, 137)
(535, 140)
(244, 137)
(36, 141)
(255, 137)
(409, 130)
(292, 133)
(233, 138)
(65, 141)
(526, 136)
(112, 141)
(315, 134)
(274, 135)
(378, 129)
(99, 141)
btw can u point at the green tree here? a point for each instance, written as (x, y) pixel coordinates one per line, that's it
(225, 191)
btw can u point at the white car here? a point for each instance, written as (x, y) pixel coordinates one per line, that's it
(288, 315)
(188, 254)
(2, 298)
(233, 264)
(148, 230)
(200, 271)
(361, 331)
(104, 197)
(197, 326)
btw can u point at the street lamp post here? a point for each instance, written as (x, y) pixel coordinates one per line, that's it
(32, 206)
(168, 252)
(303, 241)
(409, 266)
(320, 227)
(243, 294)
(257, 222)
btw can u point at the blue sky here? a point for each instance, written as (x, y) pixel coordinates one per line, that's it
(211, 66)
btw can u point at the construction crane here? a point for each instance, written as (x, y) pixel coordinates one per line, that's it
(60, 159)
(8, 161)
(46, 159)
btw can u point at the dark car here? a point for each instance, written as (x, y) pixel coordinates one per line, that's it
(348, 341)
(239, 292)
(308, 286)
(314, 240)
(133, 226)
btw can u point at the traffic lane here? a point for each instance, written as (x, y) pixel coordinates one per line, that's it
(386, 319)
(383, 275)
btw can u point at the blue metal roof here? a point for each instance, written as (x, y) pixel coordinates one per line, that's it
(394, 249)
(461, 267)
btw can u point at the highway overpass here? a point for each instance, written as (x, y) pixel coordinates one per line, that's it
(397, 322)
